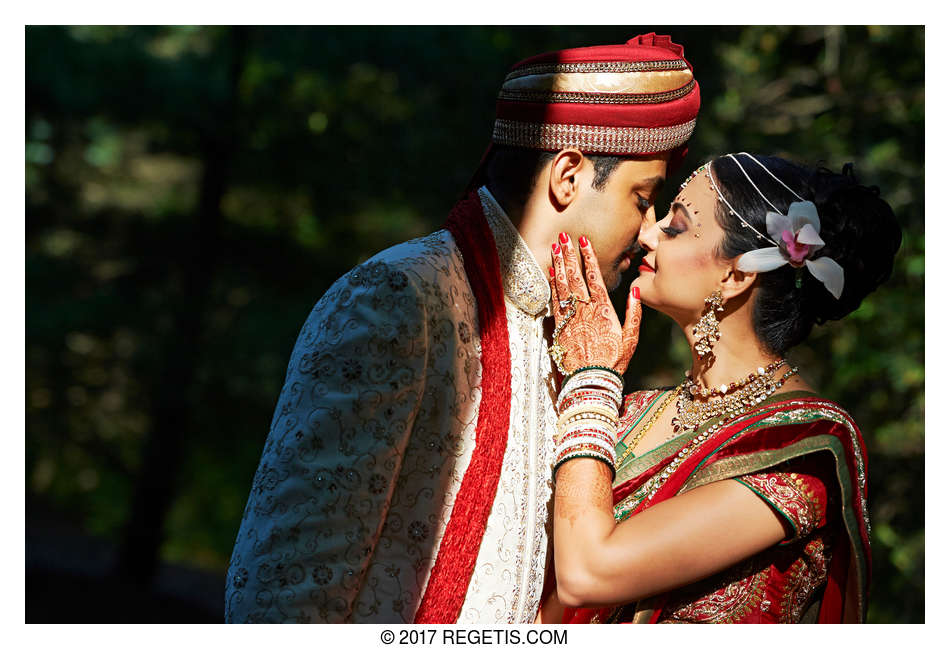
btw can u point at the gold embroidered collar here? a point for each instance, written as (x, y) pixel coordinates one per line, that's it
(524, 281)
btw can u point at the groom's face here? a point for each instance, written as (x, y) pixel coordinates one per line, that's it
(611, 217)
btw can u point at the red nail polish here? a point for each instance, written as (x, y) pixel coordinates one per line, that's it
(583, 241)
(551, 271)
(556, 248)
(563, 237)
(636, 292)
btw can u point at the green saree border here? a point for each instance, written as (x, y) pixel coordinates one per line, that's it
(620, 443)
(634, 466)
(756, 461)
(732, 467)
(778, 510)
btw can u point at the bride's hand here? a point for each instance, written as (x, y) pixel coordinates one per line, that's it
(593, 335)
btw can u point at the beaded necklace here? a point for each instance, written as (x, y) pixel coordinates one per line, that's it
(656, 415)
(691, 413)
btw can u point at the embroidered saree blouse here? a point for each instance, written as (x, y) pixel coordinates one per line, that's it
(781, 584)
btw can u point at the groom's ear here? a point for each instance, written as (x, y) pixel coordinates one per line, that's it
(564, 177)
(735, 282)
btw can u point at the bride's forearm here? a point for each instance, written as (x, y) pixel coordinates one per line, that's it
(588, 411)
(583, 521)
(551, 611)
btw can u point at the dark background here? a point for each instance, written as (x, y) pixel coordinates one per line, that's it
(192, 191)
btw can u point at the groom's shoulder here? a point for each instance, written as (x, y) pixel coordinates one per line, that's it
(429, 263)
(429, 269)
(426, 256)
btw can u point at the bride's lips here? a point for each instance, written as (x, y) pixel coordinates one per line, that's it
(645, 267)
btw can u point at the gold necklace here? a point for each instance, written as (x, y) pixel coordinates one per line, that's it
(691, 413)
(650, 422)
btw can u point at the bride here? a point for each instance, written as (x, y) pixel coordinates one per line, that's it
(740, 494)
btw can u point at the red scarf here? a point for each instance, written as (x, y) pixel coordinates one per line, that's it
(448, 582)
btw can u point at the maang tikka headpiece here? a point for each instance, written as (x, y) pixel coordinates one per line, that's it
(793, 238)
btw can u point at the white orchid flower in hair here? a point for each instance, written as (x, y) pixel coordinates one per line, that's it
(796, 237)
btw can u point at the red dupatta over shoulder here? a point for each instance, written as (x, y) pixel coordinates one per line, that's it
(448, 582)
(785, 427)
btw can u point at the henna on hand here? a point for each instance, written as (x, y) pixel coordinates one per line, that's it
(593, 336)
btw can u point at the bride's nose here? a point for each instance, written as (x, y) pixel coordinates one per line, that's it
(648, 236)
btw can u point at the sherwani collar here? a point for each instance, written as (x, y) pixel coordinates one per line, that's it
(525, 284)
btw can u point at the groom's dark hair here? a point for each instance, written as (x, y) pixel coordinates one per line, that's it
(511, 172)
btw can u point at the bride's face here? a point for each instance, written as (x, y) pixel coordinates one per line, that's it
(681, 266)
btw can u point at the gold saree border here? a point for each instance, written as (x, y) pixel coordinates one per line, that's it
(638, 464)
(756, 461)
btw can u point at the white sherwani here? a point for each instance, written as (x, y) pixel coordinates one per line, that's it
(373, 432)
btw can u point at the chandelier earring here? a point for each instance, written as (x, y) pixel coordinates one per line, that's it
(706, 331)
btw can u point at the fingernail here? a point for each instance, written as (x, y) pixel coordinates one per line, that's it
(583, 241)
(550, 271)
(556, 248)
(636, 292)
(563, 237)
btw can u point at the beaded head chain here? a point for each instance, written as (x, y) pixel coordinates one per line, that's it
(793, 237)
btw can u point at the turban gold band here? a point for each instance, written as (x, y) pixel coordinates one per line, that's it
(661, 81)
(616, 140)
(548, 97)
(597, 66)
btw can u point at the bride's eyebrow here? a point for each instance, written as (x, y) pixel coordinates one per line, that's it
(676, 204)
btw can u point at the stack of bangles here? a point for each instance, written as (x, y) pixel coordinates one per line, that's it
(588, 409)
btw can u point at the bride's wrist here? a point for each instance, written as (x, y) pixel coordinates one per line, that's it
(588, 410)
(596, 378)
(603, 368)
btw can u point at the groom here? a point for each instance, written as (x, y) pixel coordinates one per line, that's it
(407, 473)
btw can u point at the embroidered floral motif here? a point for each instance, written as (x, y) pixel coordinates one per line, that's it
(240, 577)
(806, 576)
(351, 369)
(360, 470)
(418, 531)
(811, 412)
(322, 575)
(397, 280)
(377, 484)
(721, 599)
(332, 475)
(514, 548)
(791, 495)
(465, 332)
(633, 406)
(525, 283)
(782, 583)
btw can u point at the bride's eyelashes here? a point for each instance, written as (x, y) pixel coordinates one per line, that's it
(669, 230)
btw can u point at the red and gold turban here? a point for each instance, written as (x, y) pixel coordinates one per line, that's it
(633, 99)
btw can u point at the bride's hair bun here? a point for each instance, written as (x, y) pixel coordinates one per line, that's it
(858, 227)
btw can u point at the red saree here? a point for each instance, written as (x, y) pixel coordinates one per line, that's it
(805, 449)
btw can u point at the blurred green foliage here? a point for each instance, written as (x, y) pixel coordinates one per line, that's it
(347, 140)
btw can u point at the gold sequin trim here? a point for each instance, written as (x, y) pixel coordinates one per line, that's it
(597, 66)
(618, 140)
(549, 97)
(524, 282)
